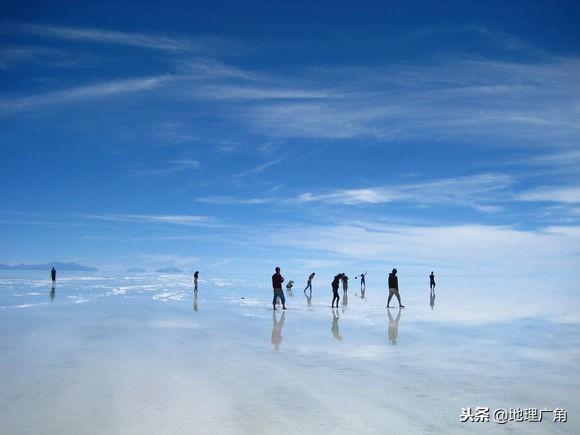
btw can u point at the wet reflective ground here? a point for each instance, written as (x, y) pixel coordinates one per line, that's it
(142, 354)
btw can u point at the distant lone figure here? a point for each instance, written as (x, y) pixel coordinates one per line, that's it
(363, 282)
(432, 281)
(289, 285)
(195, 277)
(335, 284)
(309, 282)
(394, 288)
(53, 276)
(277, 281)
(344, 282)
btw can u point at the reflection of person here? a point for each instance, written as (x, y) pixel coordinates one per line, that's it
(432, 298)
(52, 293)
(277, 281)
(344, 282)
(363, 282)
(308, 298)
(53, 276)
(432, 281)
(277, 330)
(195, 278)
(335, 285)
(394, 327)
(394, 288)
(362, 294)
(334, 329)
(309, 282)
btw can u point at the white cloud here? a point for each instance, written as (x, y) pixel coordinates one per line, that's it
(104, 36)
(230, 200)
(85, 92)
(472, 249)
(170, 167)
(476, 191)
(566, 195)
(149, 218)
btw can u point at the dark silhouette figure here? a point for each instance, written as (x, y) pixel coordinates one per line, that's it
(309, 282)
(335, 284)
(432, 281)
(394, 288)
(393, 327)
(344, 282)
(52, 293)
(432, 298)
(363, 282)
(335, 331)
(53, 276)
(277, 281)
(195, 278)
(277, 330)
(195, 300)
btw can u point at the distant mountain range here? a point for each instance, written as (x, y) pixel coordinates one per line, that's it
(58, 266)
(136, 270)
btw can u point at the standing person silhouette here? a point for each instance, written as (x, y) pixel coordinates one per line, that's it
(335, 284)
(195, 278)
(277, 281)
(53, 276)
(432, 281)
(394, 288)
(363, 282)
(309, 282)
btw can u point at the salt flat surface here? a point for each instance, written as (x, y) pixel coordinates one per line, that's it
(140, 354)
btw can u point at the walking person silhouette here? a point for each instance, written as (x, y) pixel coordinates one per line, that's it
(394, 288)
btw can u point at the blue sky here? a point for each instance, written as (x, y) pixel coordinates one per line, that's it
(317, 135)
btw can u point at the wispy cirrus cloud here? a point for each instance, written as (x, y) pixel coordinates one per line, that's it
(170, 167)
(103, 36)
(84, 92)
(481, 192)
(232, 200)
(467, 247)
(464, 99)
(562, 194)
(188, 220)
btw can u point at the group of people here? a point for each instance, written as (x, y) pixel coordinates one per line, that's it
(278, 279)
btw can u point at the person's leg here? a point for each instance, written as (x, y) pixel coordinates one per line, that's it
(274, 299)
(399, 299)
(283, 299)
(389, 299)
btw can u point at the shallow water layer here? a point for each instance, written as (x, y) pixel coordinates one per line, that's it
(143, 354)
